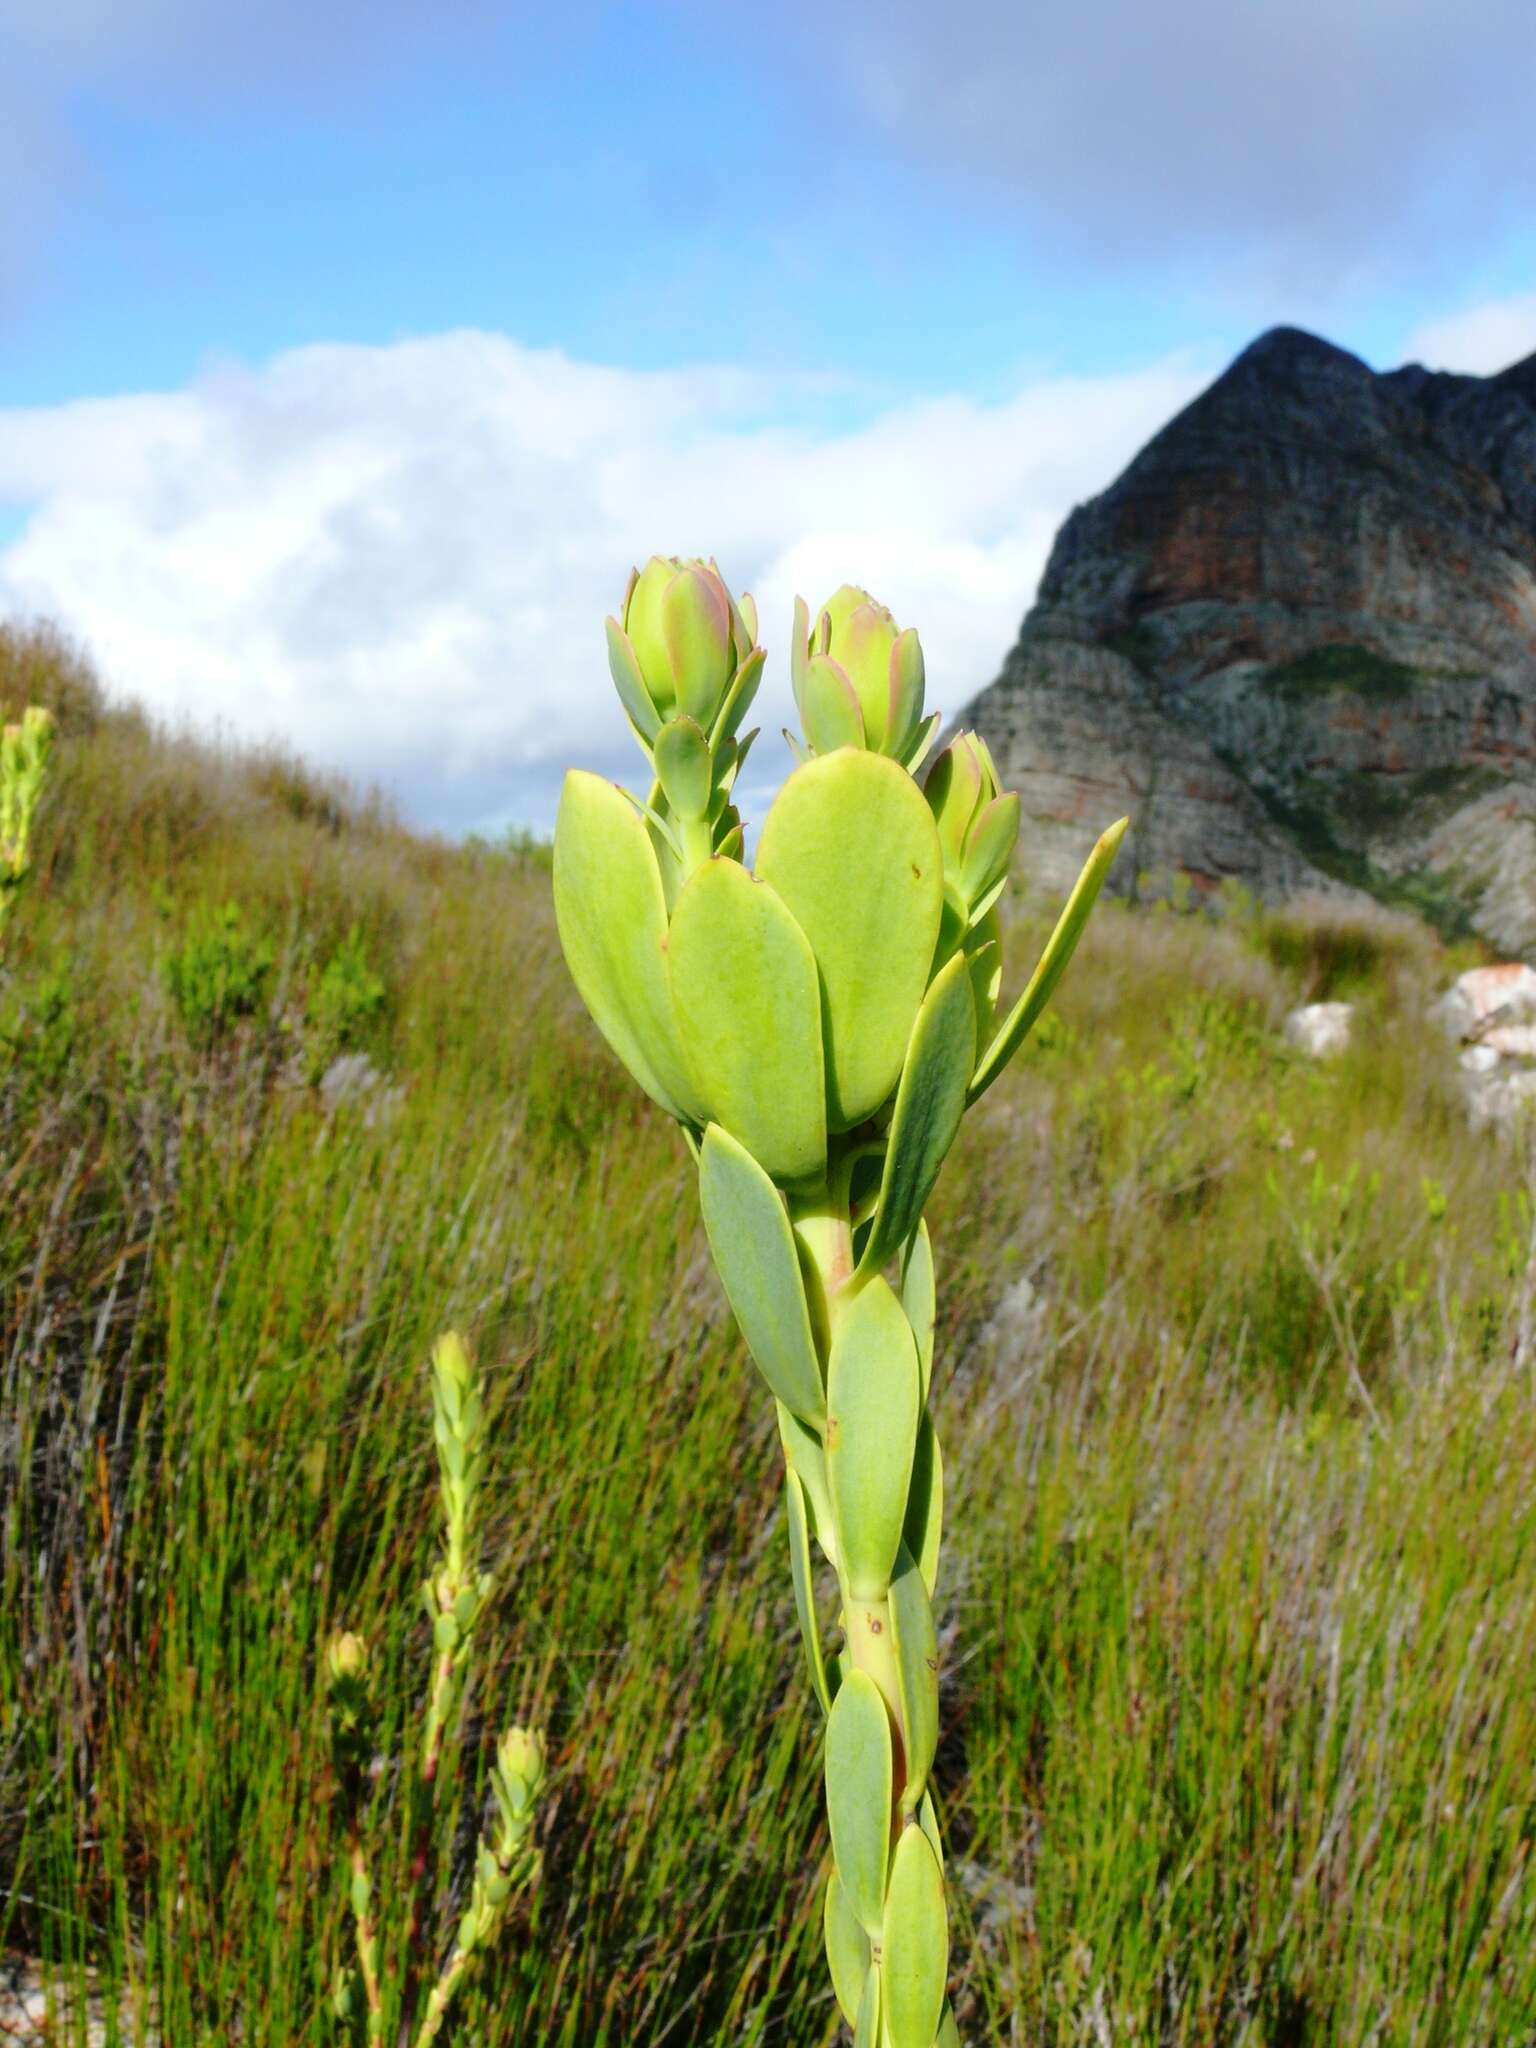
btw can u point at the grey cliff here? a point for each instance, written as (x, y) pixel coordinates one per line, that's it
(1296, 640)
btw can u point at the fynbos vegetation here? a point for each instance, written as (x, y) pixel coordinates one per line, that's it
(1236, 1614)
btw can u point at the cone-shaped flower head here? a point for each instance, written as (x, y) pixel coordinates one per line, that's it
(680, 643)
(346, 1657)
(520, 1758)
(858, 677)
(978, 820)
(348, 1679)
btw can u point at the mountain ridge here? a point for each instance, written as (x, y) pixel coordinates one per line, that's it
(1296, 638)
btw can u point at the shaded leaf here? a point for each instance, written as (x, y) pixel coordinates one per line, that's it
(917, 1673)
(806, 1459)
(919, 1300)
(923, 1524)
(805, 1588)
(930, 1102)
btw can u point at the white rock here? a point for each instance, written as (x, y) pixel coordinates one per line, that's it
(1321, 1029)
(1484, 994)
(1510, 1041)
(1501, 1099)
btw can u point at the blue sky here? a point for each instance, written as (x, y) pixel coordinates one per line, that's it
(348, 352)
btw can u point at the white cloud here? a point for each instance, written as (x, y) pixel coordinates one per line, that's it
(398, 559)
(1481, 340)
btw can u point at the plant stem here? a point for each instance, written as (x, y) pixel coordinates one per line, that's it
(441, 1997)
(367, 1939)
(439, 1707)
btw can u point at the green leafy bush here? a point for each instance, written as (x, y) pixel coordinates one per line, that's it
(218, 972)
(348, 999)
(38, 1024)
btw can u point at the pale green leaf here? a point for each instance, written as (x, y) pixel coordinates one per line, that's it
(1053, 961)
(852, 849)
(612, 919)
(629, 682)
(915, 1955)
(858, 1777)
(866, 2028)
(744, 990)
(683, 767)
(847, 1949)
(754, 1251)
(872, 1424)
(829, 707)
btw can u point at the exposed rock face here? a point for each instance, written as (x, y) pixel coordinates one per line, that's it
(1297, 640)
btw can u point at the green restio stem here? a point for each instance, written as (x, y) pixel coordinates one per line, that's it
(818, 1027)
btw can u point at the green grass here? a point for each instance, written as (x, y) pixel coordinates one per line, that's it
(1239, 1610)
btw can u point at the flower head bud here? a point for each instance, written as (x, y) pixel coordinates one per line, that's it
(858, 677)
(680, 643)
(347, 1684)
(346, 1658)
(520, 1759)
(978, 821)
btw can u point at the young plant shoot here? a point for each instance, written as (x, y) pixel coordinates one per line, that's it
(24, 751)
(401, 1992)
(818, 1024)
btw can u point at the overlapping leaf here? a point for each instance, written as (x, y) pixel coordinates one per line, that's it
(744, 987)
(852, 850)
(613, 927)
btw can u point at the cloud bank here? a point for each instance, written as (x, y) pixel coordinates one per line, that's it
(398, 559)
(1294, 139)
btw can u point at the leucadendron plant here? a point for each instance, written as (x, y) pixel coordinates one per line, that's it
(399, 1987)
(818, 1024)
(24, 751)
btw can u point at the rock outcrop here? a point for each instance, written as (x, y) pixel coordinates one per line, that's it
(1296, 639)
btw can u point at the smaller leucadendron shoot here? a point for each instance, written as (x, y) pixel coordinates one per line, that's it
(402, 1984)
(25, 748)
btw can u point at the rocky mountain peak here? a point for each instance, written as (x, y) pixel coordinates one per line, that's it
(1297, 639)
